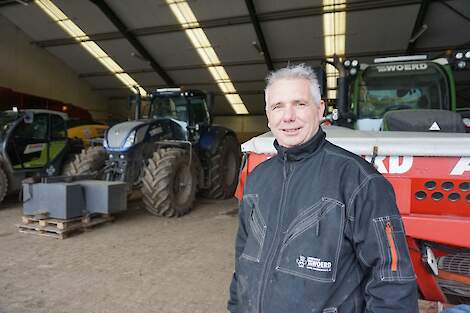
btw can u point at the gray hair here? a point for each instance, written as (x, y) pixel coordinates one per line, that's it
(299, 71)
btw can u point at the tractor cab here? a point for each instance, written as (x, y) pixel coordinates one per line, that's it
(397, 86)
(34, 143)
(188, 109)
(368, 92)
(34, 139)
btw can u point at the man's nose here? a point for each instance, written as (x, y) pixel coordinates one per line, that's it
(289, 114)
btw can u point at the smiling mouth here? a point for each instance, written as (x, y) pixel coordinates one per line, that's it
(291, 130)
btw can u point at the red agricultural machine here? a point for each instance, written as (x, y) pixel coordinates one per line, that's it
(430, 173)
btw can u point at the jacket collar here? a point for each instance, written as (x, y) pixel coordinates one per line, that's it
(301, 151)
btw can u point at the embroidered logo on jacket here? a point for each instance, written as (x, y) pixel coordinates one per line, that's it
(314, 264)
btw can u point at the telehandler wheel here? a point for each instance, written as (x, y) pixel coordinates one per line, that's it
(224, 166)
(3, 184)
(169, 183)
(89, 162)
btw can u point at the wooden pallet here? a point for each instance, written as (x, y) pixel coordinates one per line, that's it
(58, 228)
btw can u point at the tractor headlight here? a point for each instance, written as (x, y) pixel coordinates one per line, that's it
(130, 140)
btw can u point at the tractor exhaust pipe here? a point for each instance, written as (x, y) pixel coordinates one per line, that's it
(342, 85)
(138, 103)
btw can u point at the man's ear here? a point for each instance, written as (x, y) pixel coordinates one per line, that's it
(321, 108)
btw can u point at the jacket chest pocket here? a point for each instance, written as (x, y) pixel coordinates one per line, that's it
(256, 228)
(312, 242)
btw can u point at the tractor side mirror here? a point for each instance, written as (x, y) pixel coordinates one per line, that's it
(28, 117)
(195, 127)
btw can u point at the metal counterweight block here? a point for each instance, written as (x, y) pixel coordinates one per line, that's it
(107, 197)
(55, 200)
(69, 200)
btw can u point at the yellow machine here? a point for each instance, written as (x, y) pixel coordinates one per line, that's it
(86, 130)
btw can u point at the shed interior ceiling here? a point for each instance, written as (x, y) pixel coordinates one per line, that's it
(293, 31)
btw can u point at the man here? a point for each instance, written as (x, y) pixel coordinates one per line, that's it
(319, 228)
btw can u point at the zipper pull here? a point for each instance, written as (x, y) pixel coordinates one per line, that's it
(317, 231)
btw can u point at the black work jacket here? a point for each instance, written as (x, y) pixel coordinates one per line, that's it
(320, 232)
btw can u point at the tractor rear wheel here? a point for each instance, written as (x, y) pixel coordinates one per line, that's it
(3, 184)
(224, 165)
(169, 183)
(89, 162)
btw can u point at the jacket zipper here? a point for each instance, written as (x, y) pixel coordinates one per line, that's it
(307, 222)
(393, 248)
(273, 248)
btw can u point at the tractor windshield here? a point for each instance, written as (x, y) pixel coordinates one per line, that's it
(6, 120)
(397, 86)
(174, 106)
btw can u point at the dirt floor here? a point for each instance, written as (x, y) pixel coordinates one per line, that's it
(138, 263)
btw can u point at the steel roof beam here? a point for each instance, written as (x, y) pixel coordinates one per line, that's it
(259, 34)
(5, 3)
(465, 17)
(207, 83)
(112, 16)
(285, 60)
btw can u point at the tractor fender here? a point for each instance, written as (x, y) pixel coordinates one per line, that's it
(211, 138)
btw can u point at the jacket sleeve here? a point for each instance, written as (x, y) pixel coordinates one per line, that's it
(380, 245)
(239, 247)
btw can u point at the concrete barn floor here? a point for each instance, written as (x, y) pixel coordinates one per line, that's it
(138, 263)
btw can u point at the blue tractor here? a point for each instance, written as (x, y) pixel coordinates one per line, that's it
(169, 155)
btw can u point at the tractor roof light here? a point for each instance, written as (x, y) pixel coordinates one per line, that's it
(168, 89)
(460, 60)
(401, 58)
(461, 65)
(352, 66)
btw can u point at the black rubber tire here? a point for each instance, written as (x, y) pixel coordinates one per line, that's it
(169, 183)
(3, 184)
(89, 162)
(224, 167)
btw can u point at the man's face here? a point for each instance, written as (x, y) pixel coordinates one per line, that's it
(293, 117)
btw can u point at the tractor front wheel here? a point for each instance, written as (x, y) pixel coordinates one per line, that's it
(89, 162)
(169, 183)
